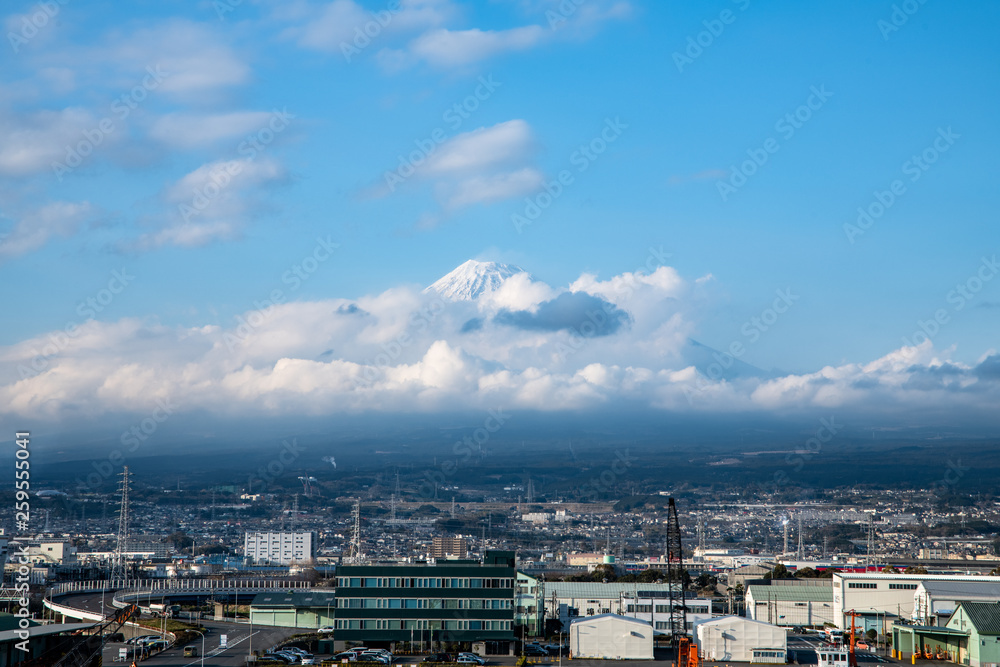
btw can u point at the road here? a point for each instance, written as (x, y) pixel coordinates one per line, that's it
(238, 635)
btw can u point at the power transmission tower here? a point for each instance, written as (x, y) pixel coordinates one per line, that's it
(675, 575)
(355, 555)
(119, 561)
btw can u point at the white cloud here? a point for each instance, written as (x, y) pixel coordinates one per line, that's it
(194, 57)
(37, 227)
(344, 22)
(197, 130)
(456, 48)
(505, 143)
(31, 143)
(402, 350)
(211, 203)
(482, 166)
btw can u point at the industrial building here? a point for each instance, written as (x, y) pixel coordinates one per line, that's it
(279, 548)
(737, 639)
(569, 600)
(610, 637)
(436, 601)
(970, 637)
(883, 597)
(935, 601)
(790, 604)
(294, 608)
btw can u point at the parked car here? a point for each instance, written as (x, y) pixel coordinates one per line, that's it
(275, 657)
(349, 656)
(438, 657)
(534, 651)
(554, 649)
(325, 629)
(470, 659)
(114, 637)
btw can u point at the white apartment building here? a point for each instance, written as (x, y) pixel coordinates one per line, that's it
(279, 548)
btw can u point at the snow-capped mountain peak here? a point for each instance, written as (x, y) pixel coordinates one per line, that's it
(473, 279)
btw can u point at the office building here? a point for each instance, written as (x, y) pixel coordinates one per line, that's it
(279, 548)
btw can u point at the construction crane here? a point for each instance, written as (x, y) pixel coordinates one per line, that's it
(687, 653)
(84, 650)
(852, 658)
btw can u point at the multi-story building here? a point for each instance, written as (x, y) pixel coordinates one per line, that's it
(428, 603)
(442, 547)
(279, 548)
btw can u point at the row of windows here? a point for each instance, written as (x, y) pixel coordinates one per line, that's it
(665, 625)
(903, 587)
(422, 603)
(423, 582)
(417, 624)
(856, 584)
(660, 609)
(769, 654)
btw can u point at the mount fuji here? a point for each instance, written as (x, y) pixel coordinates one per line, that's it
(473, 279)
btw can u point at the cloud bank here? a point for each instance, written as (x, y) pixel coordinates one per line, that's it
(593, 345)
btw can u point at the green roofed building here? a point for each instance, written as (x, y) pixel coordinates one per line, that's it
(442, 601)
(971, 636)
(428, 603)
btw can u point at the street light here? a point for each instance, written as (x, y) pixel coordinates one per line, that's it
(202, 646)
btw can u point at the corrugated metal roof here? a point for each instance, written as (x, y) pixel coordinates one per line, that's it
(790, 593)
(984, 616)
(957, 589)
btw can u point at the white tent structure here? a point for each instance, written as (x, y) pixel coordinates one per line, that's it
(611, 637)
(740, 640)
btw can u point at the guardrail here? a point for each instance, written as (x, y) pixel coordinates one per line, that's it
(179, 585)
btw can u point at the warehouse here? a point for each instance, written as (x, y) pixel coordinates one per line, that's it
(971, 636)
(568, 601)
(610, 637)
(935, 601)
(883, 596)
(789, 605)
(737, 639)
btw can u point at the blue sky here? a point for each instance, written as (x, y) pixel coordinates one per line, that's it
(677, 118)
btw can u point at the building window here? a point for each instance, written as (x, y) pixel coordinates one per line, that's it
(857, 584)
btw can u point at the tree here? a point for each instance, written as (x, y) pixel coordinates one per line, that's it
(919, 569)
(871, 634)
(779, 572)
